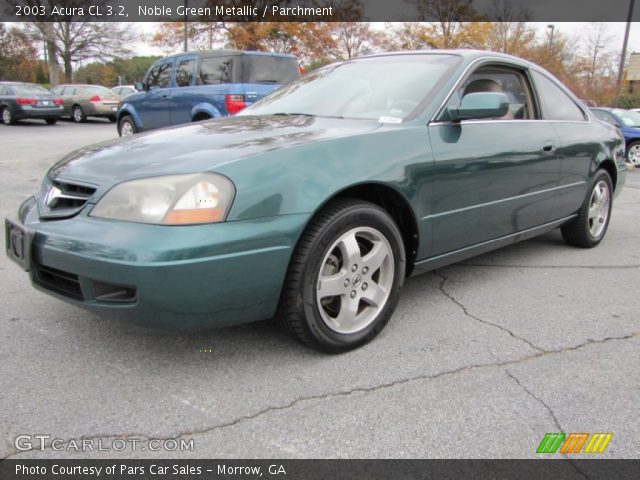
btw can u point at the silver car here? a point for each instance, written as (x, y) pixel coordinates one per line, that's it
(82, 101)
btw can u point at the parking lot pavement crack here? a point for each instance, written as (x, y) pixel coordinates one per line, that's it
(338, 394)
(551, 413)
(449, 295)
(537, 399)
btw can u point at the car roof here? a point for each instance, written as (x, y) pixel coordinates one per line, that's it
(17, 83)
(467, 54)
(226, 52)
(79, 85)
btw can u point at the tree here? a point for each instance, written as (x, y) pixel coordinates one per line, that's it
(74, 41)
(126, 71)
(18, 57)
(447, 19)
(352, 39)
(509, 33)
(200, 35)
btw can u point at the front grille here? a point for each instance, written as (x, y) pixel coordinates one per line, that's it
(63, 199)
(64, 283)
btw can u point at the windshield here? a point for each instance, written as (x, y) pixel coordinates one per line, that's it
(369, 88)
(628, 118)
(27, 89)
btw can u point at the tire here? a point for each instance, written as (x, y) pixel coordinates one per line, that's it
(590, 227)
(7, 116)
(633, 154)
(77, 114)
(112, 118)
(329, 323)
(51, 121)
(126, 126)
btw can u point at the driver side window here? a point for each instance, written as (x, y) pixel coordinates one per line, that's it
(499, 80)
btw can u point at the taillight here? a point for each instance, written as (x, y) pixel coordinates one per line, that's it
(95, 98)
(58, 101)
(234, 103)
(26, 101)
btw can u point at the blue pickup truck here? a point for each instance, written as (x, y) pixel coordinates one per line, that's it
(195, 86)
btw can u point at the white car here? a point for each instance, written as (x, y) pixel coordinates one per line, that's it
(124, 90)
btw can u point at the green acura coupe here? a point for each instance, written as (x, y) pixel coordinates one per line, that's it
(314, 204)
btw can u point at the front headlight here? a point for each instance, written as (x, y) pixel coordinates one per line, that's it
(170, 200)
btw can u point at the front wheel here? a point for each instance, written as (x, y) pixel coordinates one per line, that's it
(633, 154)
(126, 127)
(344, 277)
(590, 226)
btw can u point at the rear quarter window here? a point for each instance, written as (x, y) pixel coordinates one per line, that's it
(556, 104)
(268, 69)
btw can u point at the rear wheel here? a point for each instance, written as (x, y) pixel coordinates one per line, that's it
(126, 127)
(7, 117)
(590, 227)
(633, 153)
(77, 114)
(112, 118)
(51, 121)
(345, 277)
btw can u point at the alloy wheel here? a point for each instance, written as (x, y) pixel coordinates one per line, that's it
(355, 280)
(6, 116)
(599, 208)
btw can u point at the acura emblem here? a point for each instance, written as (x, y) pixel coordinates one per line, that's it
(52, 195)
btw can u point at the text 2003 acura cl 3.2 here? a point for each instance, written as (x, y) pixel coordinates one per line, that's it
(315, 203)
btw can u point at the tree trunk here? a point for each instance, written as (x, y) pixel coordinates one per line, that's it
(68, 69)
(52, 64)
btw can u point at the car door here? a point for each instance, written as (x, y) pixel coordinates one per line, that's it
(492, 177)
(578, 145)
(155, 108)
(183, 97)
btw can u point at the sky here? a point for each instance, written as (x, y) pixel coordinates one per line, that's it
(573, 29)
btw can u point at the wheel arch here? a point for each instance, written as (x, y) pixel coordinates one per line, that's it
(609, 166)
(128, 109)
(202, 109)
(393, 202)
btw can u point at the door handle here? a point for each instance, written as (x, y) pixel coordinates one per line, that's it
(549, 148)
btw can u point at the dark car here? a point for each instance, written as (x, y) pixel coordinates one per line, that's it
(196, 86)
(82, 101)
(316, 203)
(21, 101)
(628, 122)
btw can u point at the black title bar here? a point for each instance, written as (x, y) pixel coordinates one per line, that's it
(316, 10)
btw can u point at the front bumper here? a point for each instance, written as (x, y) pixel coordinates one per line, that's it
(186, 278)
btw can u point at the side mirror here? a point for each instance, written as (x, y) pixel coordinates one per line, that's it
(139, 86)
(480, 105)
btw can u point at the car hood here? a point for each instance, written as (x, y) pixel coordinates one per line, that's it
(198, 147)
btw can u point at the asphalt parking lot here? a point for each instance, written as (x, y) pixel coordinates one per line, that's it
(480, 360)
